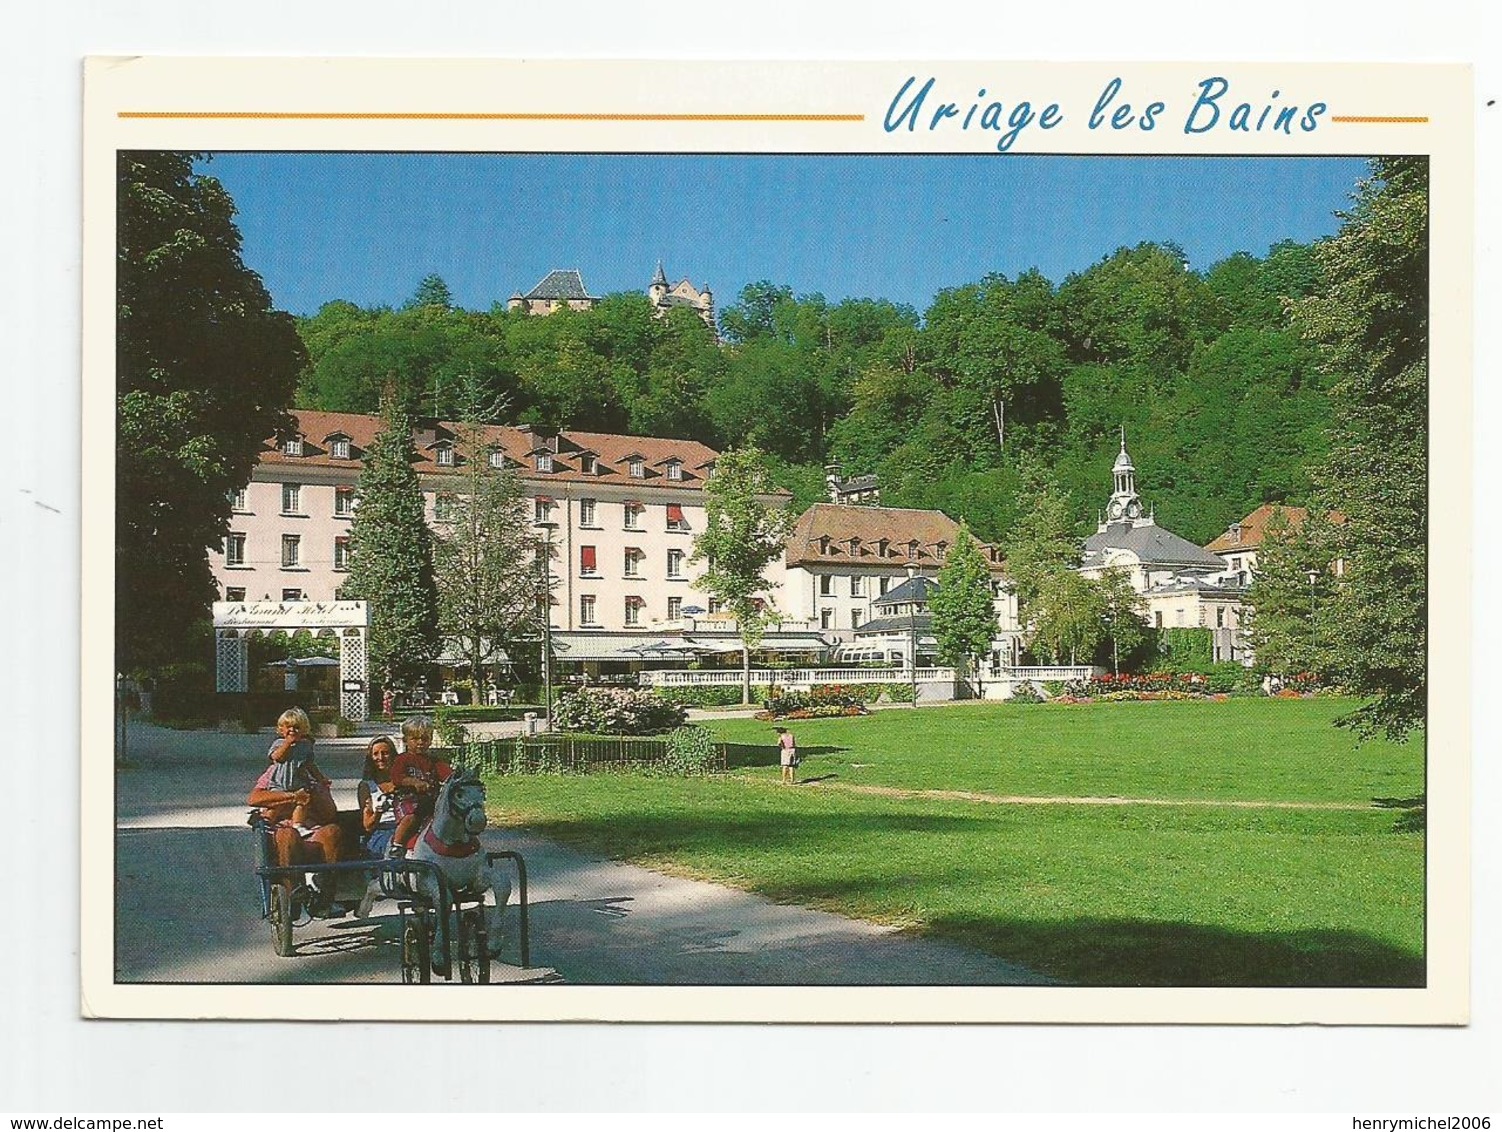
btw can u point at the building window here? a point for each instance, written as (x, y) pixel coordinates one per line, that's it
(586, 609)
(341, 554)
(633, 559)
(675, 564)
(883, 584)
(291, 499)
(637, 467)
(234, 593)
(1158, 619)
(857, 586)
(855, 618)
(675, 608)
(676, 521)
(234, 549)
(633, 610)
(589, 464)
(675, 470)
(826, 585)
(826, 619)
(339, 449)
(588, 562)
(586, 512)
(291, 594)
(1236, 565)
(1220, 617)
(237, 500)
(498, 459)
(633, 516)
(291, 551)
(715, 605)
(292, 447)
(544, 461)
(542, 509)
(344, 501)
(444, 454)
(443, 508)
(1178, 617)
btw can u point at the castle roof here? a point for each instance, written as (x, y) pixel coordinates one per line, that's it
(1152, 544)
(560, 285)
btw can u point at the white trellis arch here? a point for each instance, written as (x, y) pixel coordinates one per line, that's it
(235, 622)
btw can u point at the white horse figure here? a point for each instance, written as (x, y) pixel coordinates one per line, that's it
(450, 843)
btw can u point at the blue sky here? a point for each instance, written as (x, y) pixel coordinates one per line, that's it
(366, 227)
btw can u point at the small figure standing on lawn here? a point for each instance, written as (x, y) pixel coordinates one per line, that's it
(388, 703)
(789, 748)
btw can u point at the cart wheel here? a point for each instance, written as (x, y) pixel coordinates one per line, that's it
(281, 920)
(415, 949)
(474, 948)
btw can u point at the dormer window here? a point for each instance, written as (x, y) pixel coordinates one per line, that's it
(339, 447)
(292, 446)
(498, 459)
(855, 547)
(823, 544)
(675, 470)
(444, 454)
(637, 467)
(589, 464)
(544, 461)
(1235, 532)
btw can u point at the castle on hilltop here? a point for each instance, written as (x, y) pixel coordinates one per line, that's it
(565, 288)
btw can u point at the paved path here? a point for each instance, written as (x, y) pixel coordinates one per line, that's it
(187, 909)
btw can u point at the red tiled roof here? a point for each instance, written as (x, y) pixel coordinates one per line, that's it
(610, 450)
(822, 537)
(1254, 527)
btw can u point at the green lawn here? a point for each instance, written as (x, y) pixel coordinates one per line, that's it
(1104, 895)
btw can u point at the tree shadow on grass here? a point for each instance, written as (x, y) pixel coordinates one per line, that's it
(1413, 819)
(739, 756)
(1145, 953)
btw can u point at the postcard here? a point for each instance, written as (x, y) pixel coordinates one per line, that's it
(789, 542)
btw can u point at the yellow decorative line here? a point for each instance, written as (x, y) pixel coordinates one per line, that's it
(319, 115)
(1402, 120)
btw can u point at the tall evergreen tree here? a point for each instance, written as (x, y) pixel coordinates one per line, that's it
(1280, 605)
(488, 599)
(391, 554)
(742, 534)
(205, 370)
(1372, 325)
(963, 606)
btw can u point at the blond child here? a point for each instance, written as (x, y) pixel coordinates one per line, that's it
(416, 778)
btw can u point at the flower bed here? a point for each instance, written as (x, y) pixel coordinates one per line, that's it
(822, 701)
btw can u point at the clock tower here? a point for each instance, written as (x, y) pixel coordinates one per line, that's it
(1125, 505)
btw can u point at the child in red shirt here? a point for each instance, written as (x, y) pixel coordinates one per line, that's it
(416, 778)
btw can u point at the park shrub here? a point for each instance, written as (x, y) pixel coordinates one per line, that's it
(710, 695)
(447, 728)
(897, 693)
(691, 752)
(1026, 693)
(616, 711)
(1054, 688)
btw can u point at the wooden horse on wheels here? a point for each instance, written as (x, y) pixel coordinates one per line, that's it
(450, 843)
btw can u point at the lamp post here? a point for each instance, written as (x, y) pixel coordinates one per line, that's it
(912, 630)
(1313, 625)
(547, 530)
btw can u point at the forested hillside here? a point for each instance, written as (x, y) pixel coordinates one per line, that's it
(1223, 405)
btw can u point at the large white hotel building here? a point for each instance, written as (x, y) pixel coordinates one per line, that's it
(626, 510)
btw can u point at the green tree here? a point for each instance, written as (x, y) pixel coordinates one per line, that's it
(391, 555)
(1043, 541)
(1121, 613)
(743, 533)
(1372, 326)
(205, 370)
(432, 291)
(1069, 618)
(963, 605)
(488, 599)
(1278, 615)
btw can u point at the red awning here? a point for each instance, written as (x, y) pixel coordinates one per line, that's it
(632, 503)
(635, 550)
(587, 557)
(633, 600)
(545, 500)
(675, 513)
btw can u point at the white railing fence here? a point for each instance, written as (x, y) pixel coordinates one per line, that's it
(807, 677)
